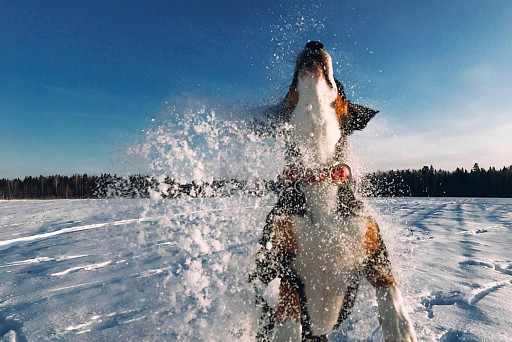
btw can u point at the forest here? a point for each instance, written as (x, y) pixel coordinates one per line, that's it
(429, 182)
(425, 182)
(112, 186)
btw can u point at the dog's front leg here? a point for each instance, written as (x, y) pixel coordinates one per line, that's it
(288, 327)
(396, 325)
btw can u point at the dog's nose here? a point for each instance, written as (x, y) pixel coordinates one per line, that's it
(314, 46)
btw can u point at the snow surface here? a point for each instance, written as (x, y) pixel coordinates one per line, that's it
(164, 270)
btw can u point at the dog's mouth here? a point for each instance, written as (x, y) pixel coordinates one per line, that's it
(314, 61)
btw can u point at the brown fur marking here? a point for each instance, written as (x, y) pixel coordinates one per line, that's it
(380, 275)
(371, 242)
(340, 107)
(283, 237)
(288, 306)
(383, 281)
(289, 104)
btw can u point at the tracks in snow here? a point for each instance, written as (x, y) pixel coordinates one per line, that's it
(30, 238)
(11, 242)
(472, 298)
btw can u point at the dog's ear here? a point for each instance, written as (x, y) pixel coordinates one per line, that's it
(357, 116)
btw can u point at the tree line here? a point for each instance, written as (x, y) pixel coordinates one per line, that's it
(51, 187)
(111, 186)
(425, 182)
(429, 182)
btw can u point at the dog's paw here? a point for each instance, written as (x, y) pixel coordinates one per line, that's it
(396, 325)
(287, 332)
(398, 329)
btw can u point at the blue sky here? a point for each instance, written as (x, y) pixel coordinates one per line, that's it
(79, 80)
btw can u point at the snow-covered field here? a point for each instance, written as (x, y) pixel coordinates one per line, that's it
(142, 270)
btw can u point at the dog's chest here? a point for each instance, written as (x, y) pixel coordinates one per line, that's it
(326, 241)
(329, 251)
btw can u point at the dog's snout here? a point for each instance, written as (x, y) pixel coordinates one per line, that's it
(313, 55)
(314, 46)
(313, 61)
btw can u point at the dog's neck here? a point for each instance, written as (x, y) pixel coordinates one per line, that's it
(315, 128)
(315, 132)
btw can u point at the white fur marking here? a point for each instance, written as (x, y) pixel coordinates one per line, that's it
(315, 126)
(329, 250)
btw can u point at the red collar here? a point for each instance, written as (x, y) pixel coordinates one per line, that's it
(337, 173)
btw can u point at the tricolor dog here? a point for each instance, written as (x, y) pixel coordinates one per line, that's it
(318, 241)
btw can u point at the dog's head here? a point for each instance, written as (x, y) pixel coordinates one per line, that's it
(315, 62)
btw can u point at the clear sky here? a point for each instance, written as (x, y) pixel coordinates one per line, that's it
(81, 79)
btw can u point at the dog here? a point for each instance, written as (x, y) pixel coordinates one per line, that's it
(317, 239)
